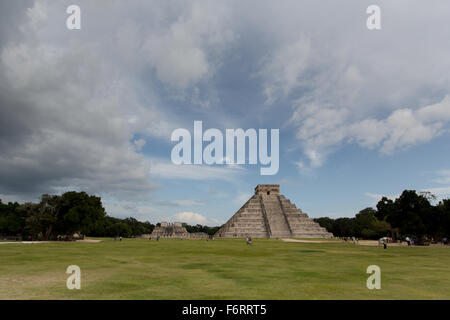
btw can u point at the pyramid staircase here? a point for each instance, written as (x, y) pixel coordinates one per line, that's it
(267, 214)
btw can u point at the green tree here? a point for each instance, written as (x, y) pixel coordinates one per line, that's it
(363, 223)
(121, 229)
(344, 227)
(443, 210)
(12, 221)
(42, 218)
(79, 212)
(326, 223)
(410, 213)
(136, 227)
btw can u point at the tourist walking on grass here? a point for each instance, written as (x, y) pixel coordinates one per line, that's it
(408, 241)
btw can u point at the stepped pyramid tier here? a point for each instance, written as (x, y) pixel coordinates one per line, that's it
(268, 214)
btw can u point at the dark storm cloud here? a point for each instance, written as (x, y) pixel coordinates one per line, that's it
(13, 13)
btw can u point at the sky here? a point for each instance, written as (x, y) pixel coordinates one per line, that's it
(361, 113)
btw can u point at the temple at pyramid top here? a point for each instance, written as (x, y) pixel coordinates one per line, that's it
(267, 189)
(268, 214)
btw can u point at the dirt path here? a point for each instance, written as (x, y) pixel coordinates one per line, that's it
(33, 242)
(24, 242)
(372, 243)
(307, 241)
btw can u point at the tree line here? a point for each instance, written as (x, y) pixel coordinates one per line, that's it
(411, 214)
(61, 216)
(199, 228)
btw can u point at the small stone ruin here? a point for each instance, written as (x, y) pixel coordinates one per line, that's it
(175, 230)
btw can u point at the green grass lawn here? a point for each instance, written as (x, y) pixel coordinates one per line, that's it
(221, 269)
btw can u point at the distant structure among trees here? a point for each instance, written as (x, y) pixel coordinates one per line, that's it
(60, 217)
(176, 230)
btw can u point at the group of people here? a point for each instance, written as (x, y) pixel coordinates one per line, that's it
(117, 238)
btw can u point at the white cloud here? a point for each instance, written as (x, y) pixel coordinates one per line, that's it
(282, 72)
(192, 218)
(404, 127)
(189, 218)
(38, 13)
(177, 62)
(440, 192)
(322, 130)
(180, 203)
(139, 143)
(180, 54)
(167, 170)
(348, 85)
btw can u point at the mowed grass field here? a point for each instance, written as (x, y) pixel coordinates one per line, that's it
(221, 269)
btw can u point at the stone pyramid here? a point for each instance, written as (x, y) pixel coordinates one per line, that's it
(268, 214)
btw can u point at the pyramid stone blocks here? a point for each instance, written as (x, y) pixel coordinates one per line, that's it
(268, 214)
